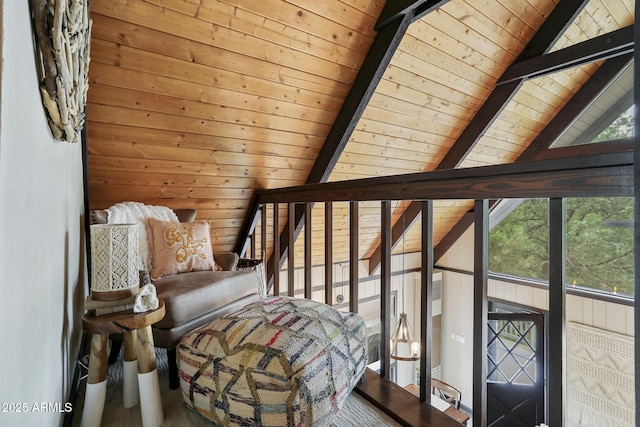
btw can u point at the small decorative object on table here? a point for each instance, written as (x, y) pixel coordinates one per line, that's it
(146, 300)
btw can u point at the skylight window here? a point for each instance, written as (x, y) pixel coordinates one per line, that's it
(621, 128)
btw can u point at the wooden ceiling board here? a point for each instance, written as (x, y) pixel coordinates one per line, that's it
(536, 100)
(167, 98)
(428, 51)
(197, 103)
(442, 105)
(100, 132)
(475, 41)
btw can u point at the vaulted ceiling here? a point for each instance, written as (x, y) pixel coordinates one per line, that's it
(197, 103)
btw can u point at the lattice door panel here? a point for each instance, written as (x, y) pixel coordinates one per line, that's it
(515, 369)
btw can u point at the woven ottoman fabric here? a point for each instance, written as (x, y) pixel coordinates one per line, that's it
(277, 362)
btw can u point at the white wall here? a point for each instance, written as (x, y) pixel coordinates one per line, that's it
(41, 239)
(457, 313)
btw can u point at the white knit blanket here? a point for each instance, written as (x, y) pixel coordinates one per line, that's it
(137, 213)
(600, 377)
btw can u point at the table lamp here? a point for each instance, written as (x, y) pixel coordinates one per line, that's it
(114, 261)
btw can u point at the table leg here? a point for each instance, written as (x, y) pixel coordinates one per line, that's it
(130, 395)
(150, 402)
(96, 382)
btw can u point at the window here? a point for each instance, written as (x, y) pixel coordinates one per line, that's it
(599, 243)
(622, 127)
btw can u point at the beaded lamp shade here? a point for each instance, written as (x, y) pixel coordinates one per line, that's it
(114, 261)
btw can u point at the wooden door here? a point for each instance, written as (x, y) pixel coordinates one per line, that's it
(515, 373)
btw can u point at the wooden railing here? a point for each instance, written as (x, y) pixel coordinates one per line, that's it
(588, 176)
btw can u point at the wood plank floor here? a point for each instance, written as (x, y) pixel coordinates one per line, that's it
(400, 404)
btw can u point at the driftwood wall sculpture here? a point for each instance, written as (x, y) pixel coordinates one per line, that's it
(62, 34)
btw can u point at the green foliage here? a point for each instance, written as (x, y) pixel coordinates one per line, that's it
(622, 127)
(599, 255)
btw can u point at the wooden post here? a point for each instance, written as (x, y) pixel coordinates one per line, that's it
(263, 238)
(307, 250)
(426, 300)
(480, 312)
(636, 204)
(328, 253)
(276, 250)
(385, 289)
(557, 316)
(291, 264)
(354, 249)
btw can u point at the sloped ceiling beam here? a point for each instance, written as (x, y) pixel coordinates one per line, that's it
(544, 39)
(399, 8)
(596, 84)
(393, 23)
(539, 148)
(396, 17)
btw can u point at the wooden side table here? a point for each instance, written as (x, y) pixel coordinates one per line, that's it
(138, 345)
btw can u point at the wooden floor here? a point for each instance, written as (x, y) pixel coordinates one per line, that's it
(400, 404)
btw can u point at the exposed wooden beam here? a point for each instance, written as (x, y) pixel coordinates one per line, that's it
(539, 149)
(597, 83)
(616, 146)
(540, 44)
(375, 63)
(606, 46)
(561, 17)
(609, 147)
(398, 9)
(585, 176)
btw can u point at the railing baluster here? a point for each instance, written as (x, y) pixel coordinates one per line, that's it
(354, 249)
(385, 289)
(290, 251)
(480, 308)
(276, 250)
(426, 304)
(307, 250)
(252, 244)
(328, 253)
(263, 235)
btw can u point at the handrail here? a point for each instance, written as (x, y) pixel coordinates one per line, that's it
(610, 174)
(586, 176)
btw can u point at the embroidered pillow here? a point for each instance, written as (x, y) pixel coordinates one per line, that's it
(180, 247)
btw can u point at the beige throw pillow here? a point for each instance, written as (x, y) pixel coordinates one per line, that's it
(180, 247)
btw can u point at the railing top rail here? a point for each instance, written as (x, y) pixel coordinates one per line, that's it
(608, 174)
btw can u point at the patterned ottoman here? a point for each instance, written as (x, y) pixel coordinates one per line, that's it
(277, 362)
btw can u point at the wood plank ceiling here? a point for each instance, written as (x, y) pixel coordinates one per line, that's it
(197, 103)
